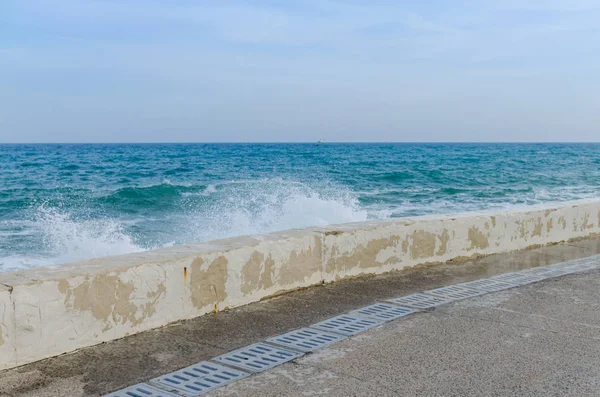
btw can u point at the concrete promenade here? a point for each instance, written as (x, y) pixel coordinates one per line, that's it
(538, 340)
(541, 339)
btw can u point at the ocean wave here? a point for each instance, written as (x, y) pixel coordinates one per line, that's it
(127, 198)
(247, 207)
(67, 239)
(226, 209)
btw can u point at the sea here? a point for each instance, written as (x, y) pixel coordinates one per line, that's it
(67, 202)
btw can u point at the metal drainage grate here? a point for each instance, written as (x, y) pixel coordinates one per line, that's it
(141, 390)
(517, 278)
(346, 324)
(419, 301)
(258, 357)
(455, 292)
(488, 285)
(383, 311)
(306, 339)
(199, 378)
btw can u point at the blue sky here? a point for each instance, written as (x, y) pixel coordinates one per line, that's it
(179, 70)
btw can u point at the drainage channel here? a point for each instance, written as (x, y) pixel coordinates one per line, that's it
(205, 376)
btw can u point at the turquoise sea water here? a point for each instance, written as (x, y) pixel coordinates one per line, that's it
(60, 203)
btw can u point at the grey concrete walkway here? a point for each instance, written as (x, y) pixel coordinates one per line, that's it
(537, 340)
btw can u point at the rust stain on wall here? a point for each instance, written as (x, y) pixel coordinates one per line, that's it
(208, 286)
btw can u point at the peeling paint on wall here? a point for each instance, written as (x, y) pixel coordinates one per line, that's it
(585, 224)
(477, 239)
(110, 300)
(2, 322)
(444, 238)
(257, 273)
(208, 285)
(523, 228)
(562, 221)
(89, 302)
(549, 225)
(7, 330)
(105, 296)
(537, 228)
(301, 265)
(423, 244)
(363, 256)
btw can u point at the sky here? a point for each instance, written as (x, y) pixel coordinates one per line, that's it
(294, 71)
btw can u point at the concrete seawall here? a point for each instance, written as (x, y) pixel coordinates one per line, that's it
(53, 310)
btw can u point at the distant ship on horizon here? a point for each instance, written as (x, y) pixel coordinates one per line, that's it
(320, 141)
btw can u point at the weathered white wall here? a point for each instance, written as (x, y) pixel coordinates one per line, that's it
(52, 310)
(7, 330)
(376, 247)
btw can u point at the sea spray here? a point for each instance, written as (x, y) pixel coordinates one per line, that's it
(60, 203)
(249, 207)
(82, 230)
(66, 239)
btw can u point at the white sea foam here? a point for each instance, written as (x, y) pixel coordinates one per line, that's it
(231, 209)
(65, 240)
(223, 210)
(249, 207)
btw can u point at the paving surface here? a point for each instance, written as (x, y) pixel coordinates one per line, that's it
(542, 339)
